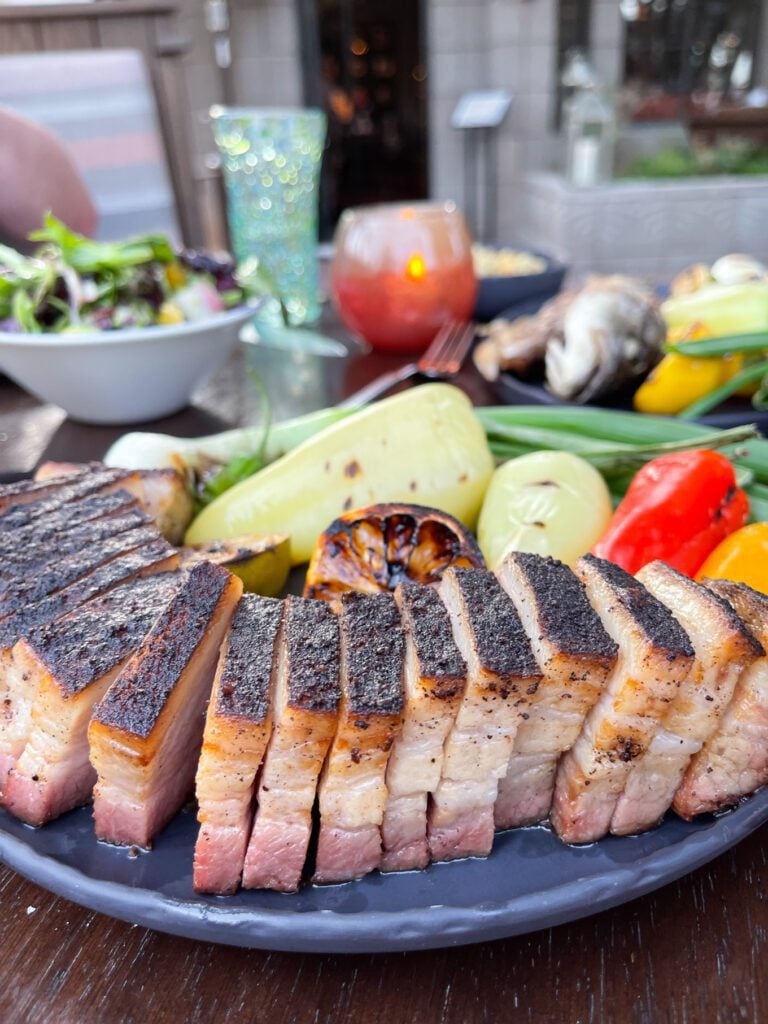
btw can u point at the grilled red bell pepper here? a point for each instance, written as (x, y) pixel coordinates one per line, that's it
(678, 508)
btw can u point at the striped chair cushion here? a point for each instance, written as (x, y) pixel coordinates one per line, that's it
(101, 105)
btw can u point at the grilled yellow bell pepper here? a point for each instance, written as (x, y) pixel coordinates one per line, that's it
(424, 445)
(679, 380)
(741, 557)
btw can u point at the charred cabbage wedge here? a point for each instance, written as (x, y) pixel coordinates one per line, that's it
(425, 445)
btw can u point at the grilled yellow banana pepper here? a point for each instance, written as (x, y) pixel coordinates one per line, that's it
(679, 380)
(425, 445)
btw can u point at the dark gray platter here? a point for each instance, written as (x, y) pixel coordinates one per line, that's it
(531, 881)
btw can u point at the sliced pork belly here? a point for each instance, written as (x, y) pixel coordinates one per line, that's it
(501, 675)
(655, 656)
(146, 732)
(435, 676)
(352, 793)
(16, 696)
(68, 666)
(162, 493)
(153, 557)
(305, 706)
(723, 648)
(734, 761)
(33, 571)
(237, 729)
(25, 492)
(575, 655)
(52, 528)
(38, 499)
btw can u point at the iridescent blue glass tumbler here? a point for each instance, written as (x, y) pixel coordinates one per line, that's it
(271, 166)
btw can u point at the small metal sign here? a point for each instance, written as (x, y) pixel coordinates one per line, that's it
(483, 108)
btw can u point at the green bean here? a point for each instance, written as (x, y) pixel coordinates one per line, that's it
(710, 348)
(711, 401)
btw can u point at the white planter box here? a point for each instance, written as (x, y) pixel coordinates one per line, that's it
(652, 227)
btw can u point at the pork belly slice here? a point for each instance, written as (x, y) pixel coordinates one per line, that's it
(435, 676)
(575, 655)
(52, 528)
(146, 732)
(40, 498)
(501, 676)
(24, 492)
(724, 648)
(31, 571)
(655, 656)
(68, 666)
(352, 793)
(237, 729)
(162, 493)
(305, 706)
(16, 696)
(733, 762)
(28, 587)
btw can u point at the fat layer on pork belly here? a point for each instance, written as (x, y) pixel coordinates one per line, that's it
(237, 729)
(305, 707)
(162, 493)
(501, 676)
(352, 793)
(54, 527)
(723, 648)
(146, 732)
(435, 676)
(15, 696)
(68, 667)
(655, 656)
(733, 762)
(26, 583)
(575, 655)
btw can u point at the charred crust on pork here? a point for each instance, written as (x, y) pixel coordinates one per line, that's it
(245, 679)
(661, 628)
(137, 697)
(565, 616)
(312, 638)
(374, 646)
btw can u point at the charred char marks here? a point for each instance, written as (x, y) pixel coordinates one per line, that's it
(374, 649)
(497, 632)
(137, 697)
(85, 540)
(57, 574)
(659, 624)
(750, 605)
(565, 616)
(54, 495)
(98, 636)
(98, 582)
(313, 647)
(428, 623)
(733, 620)
(50, 528)
(244, 690)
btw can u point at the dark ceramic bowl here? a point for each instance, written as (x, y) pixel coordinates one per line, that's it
(496, 294)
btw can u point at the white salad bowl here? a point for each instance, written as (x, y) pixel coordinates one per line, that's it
(123, 376)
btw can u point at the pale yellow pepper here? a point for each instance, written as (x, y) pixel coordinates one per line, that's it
(679, 380)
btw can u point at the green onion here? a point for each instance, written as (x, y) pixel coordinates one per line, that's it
(711, 401)
(727, 344)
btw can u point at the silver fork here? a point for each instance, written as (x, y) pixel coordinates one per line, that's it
(441, 361)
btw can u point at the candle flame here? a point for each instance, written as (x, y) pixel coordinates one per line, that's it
(415, 268)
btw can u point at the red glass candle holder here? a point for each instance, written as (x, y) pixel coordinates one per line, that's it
(400, 271)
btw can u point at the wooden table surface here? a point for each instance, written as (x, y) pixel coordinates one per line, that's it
(690, 953)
